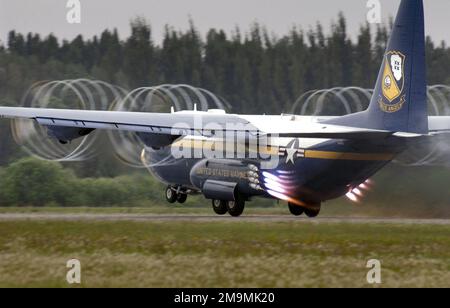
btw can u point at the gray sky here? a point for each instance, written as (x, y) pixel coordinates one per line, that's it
(49, 16)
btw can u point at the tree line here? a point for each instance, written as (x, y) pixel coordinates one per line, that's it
(255, 71)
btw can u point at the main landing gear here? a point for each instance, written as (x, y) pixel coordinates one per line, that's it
(298, 211)
(220, 207)
(234, 208)
(174, 195)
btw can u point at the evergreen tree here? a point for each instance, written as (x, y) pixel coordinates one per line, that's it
(364, 63)
(139, 55)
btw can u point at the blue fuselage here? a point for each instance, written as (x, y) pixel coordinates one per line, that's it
(323, 172)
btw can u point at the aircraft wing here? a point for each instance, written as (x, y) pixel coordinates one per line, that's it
(158, 123)
(189, 123)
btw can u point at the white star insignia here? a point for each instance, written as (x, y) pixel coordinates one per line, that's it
(291, 155)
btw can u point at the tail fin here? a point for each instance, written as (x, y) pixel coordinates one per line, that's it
(399, 102)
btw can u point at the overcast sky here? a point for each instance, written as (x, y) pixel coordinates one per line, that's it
(49, 16)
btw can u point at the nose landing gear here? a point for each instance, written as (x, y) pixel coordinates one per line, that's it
(174, 195)
(171, 195)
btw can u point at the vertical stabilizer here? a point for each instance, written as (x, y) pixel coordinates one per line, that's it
(399, 102)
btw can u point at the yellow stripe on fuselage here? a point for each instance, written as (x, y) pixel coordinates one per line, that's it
(328, 155)
(349, 156)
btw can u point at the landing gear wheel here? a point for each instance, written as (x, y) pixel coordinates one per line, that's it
(312, 213)
(171, 195)
(236, 208)
(220, 207)
(296, 210)
(182, 198)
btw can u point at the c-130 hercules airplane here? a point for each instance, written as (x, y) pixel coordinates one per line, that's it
(299, 159)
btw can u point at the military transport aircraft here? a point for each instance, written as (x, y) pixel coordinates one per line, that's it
(302, 160)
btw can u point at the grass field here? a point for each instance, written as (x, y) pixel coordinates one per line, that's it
(222, 254)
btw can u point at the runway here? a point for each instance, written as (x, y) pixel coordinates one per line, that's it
(210, 218)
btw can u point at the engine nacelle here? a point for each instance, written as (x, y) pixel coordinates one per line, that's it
(67, 134)
(157, 141)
